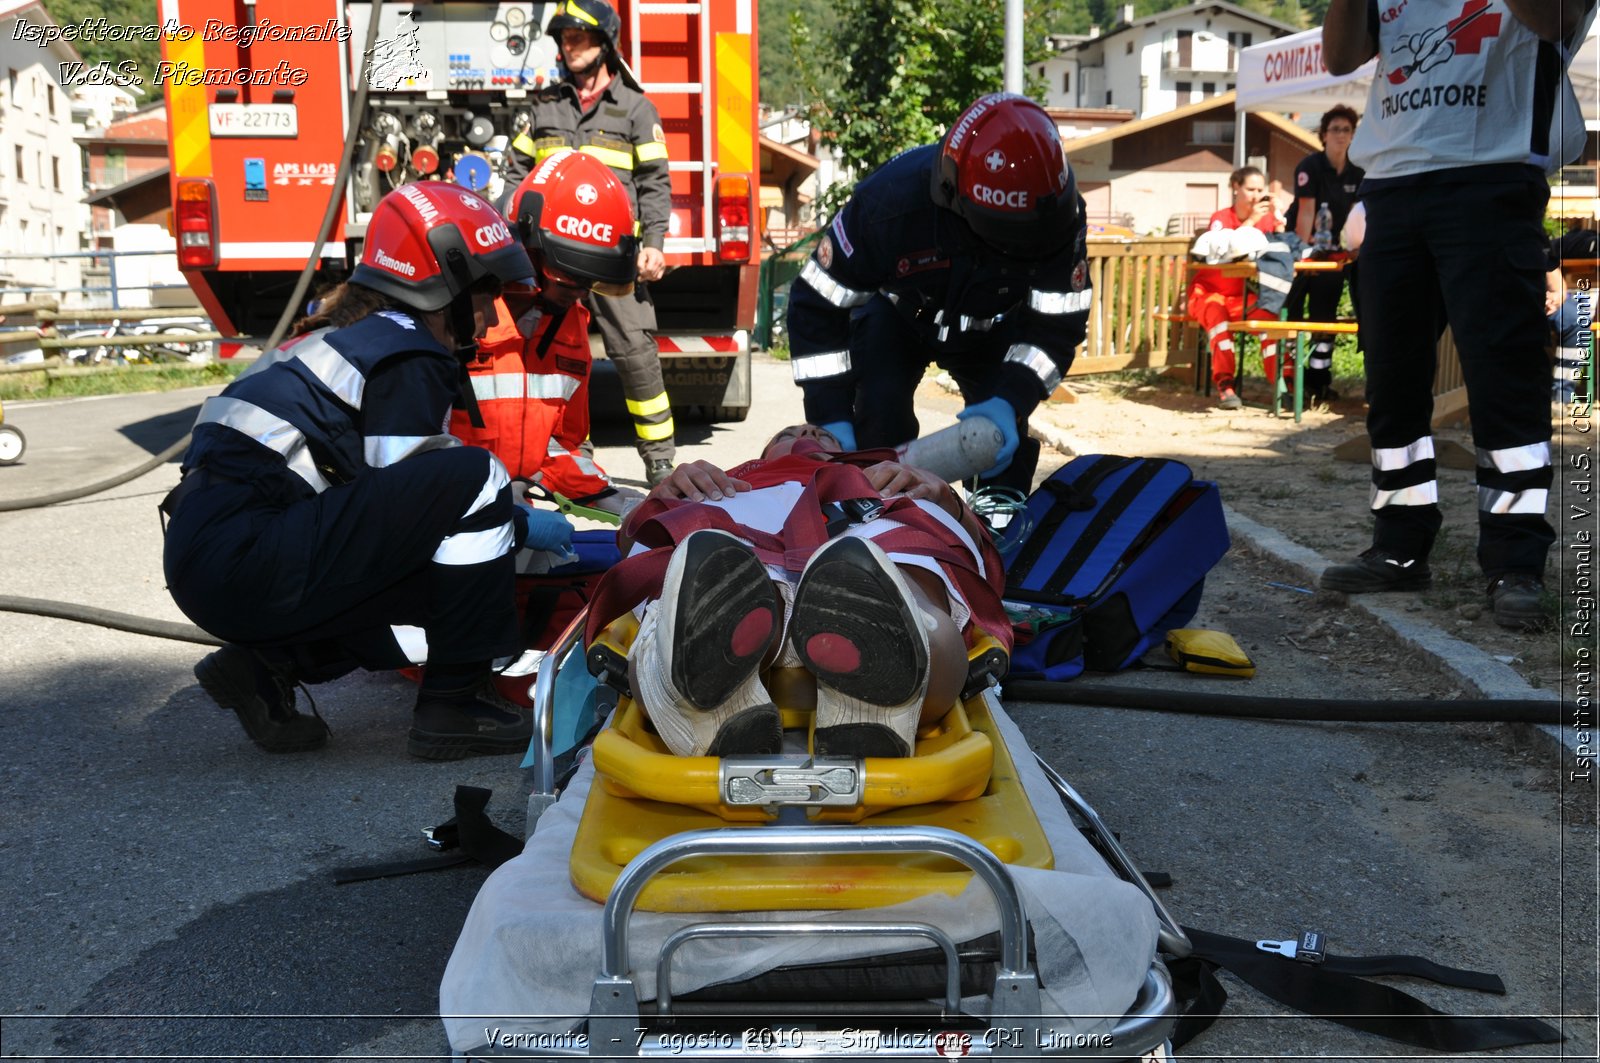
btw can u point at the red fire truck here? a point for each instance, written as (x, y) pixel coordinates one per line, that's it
(259, 100)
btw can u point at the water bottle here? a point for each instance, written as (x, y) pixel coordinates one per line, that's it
(1322, 231)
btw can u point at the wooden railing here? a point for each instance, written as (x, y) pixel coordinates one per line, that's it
(1137, 280)
(1134, 280)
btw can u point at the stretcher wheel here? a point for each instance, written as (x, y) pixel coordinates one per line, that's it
(12, 444)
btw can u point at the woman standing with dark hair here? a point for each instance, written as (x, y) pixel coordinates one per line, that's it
(1325, 177)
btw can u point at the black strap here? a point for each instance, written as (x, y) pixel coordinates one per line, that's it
(466, 398)
(470, 831)
(1073, 497)
(1331, 990)
(550, 330)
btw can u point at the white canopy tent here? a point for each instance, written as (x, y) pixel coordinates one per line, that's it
(1287, 75)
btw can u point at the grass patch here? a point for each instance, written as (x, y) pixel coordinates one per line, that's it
(119, 380)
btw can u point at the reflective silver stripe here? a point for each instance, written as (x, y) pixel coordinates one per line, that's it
(1424, 494)
(1516, 459)
(497, 385)
(470, 548)
(1038, 361)
(830, 289)
(980, 324)
(819, 366)
(413, 642)
(487, 387)
(551, 386)
(1315, 362)
(1060, 302)
(383, 451)
(1277, 284)
(1388, 459)
(1216, 330)
(556, 450)
(269, 430)
(1532, 500)
(333, 369)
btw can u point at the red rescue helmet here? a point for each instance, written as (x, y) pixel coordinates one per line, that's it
(597, 16)
(1001, 168)
(573, 215)
(429, 242)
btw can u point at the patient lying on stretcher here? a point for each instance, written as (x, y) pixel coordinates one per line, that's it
(871, 575)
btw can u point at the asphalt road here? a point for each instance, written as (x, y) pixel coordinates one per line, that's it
(169, 892)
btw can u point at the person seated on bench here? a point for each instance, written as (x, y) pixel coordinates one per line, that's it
(1571, 312)
(1215, 299)
(870, 574)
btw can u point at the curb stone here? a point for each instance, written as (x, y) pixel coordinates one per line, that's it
(1468, 663)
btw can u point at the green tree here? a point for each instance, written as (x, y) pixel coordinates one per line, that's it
(96, 49)
(894, 73)
(782, 84)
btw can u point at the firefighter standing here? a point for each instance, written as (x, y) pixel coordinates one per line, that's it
(1469, 110)
(598, 109)
(969, 253)
(325, 521)
(531, 377)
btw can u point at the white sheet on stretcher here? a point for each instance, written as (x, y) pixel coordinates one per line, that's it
(530, 949)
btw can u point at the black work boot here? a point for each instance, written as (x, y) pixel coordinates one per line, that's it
(1377, 570)
(262, 698)
(450, 725)
(1518, 601)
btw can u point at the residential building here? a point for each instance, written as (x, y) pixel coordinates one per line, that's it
(1168, 173)
(1155, 64)
(130, 200)
(41, 178)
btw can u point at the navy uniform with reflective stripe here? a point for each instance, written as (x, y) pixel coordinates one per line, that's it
(333, 516)
(898, 282)
(623, 130)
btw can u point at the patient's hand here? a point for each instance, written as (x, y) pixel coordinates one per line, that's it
(698, 481)
(892, 478)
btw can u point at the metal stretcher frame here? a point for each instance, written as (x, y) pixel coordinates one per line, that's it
(619, 1027)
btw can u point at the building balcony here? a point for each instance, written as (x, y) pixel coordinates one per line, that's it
(1223, 60)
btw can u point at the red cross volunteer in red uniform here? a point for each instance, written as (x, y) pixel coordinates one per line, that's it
(531, 377)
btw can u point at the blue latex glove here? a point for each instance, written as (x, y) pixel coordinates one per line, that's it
(546, 530)
(843, 431)
(1001, 413)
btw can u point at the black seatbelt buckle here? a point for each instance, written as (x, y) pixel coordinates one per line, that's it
(442, 838)
(1310, 947)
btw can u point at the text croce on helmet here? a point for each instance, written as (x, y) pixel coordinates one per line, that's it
(595, 15)
(1001, 168)
(573, 214)
(428, 243)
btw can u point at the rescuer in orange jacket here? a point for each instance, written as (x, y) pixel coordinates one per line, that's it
(531, 378)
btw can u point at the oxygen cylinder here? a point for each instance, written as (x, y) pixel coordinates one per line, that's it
(962, 450)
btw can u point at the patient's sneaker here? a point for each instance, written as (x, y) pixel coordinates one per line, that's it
(698, 653)
(858, 629)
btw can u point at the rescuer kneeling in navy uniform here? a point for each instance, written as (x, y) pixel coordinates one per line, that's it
(326, 521)
(969, 253)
